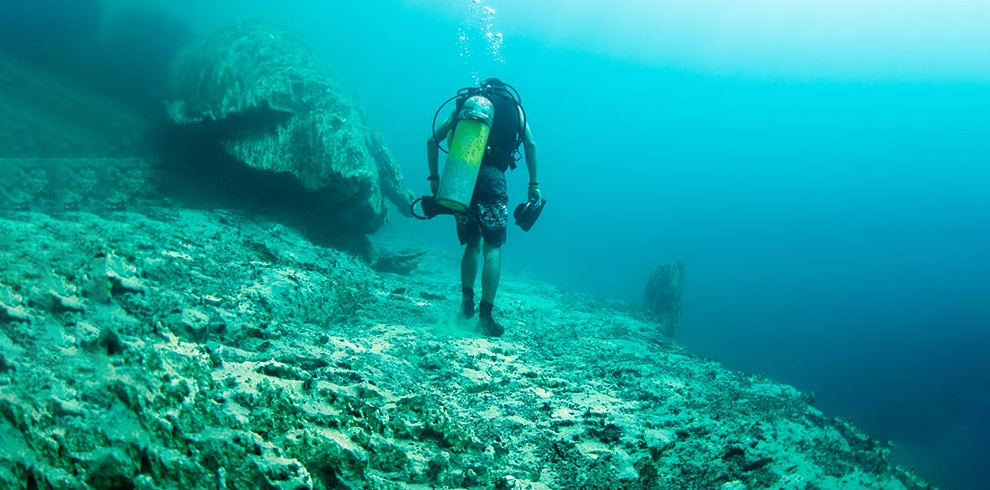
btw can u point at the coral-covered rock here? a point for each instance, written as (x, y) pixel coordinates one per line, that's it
(271, 105)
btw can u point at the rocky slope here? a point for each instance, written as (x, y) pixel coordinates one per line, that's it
(172, 348)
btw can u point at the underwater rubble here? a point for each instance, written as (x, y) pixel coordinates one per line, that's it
(173, 348)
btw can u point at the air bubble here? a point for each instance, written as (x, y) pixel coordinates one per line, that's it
(477, 34)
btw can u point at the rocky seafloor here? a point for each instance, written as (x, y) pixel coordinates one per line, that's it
(189, 349)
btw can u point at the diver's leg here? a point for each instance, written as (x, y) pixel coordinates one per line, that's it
(491, 273)
(469, 271)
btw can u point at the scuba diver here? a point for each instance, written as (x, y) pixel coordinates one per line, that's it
(484, 132)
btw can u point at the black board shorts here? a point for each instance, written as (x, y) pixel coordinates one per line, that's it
(488, 213)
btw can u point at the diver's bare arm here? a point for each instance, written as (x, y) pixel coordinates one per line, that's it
(529, 148)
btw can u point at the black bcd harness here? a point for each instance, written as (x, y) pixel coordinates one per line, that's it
(501, 94)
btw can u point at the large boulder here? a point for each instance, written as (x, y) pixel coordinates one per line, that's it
(259, 92)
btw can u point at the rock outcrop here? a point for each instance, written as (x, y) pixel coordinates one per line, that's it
(262, 95)
(662, 298)
(203, 351)
(255, 122)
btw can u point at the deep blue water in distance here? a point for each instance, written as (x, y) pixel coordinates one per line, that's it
(834, 223)
(835, 232)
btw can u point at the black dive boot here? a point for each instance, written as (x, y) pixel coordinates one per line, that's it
(489, 326)
(467, 302)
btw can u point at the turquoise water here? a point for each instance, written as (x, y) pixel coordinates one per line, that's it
(832, 211)
(823, 174)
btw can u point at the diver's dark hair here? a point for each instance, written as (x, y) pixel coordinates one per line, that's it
(493, 82)
(496, 86)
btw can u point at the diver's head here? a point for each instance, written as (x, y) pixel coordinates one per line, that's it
(493, 83)
(496, 86)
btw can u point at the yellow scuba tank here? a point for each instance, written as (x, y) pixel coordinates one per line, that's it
(467, 149)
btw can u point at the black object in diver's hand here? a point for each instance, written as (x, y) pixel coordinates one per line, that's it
(431, 208)
(527, 213)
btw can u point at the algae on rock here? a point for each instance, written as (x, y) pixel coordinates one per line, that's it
(261, 92)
